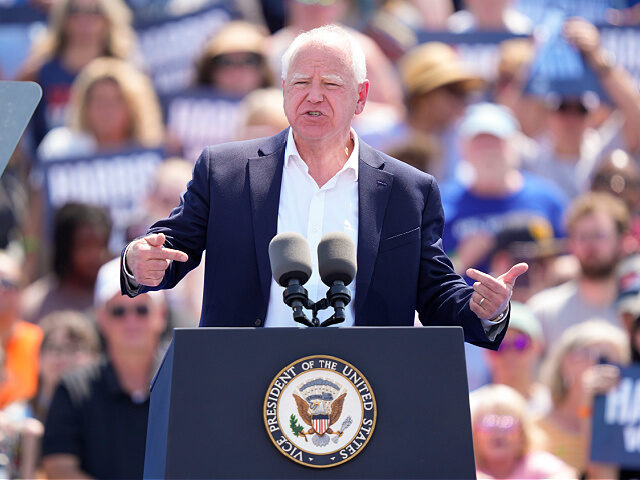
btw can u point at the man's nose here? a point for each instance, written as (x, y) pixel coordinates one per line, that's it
(315, 94)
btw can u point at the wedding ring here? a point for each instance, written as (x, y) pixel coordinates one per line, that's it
(481, 300)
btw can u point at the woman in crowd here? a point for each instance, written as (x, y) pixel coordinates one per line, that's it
(581, 364)
(113, 106)
(234, 62)
(79, 31)
(80, 247)
(504, 439)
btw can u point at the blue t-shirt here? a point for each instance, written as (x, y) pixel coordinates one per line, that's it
(468, 214)
(55, 80)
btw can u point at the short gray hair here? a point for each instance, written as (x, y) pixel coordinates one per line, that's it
(329, 35)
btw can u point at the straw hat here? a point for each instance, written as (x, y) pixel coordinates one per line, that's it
(237, 36)
(433, 65)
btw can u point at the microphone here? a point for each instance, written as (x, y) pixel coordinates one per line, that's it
(291, 266)
(337, 265)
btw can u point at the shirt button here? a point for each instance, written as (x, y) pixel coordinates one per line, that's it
(258, 322)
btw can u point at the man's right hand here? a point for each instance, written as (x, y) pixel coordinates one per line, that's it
(147, 259)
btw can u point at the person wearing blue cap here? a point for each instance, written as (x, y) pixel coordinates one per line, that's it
(497, 192)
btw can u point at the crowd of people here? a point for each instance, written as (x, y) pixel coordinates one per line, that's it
(549, 178)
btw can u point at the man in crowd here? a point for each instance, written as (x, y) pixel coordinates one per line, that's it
(97, 422)
(596, 224)
(498, 194)
(313, 179)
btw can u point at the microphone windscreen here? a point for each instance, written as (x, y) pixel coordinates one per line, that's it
(290, 258)
(337, 258)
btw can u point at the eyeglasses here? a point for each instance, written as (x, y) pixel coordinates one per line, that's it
(571, 107)
(592, 355)
(519, 343)
(120, 311)
(243, 60)
(71, 349)
(8, 285)
(323, 3)
(84, 10)
(493, 423)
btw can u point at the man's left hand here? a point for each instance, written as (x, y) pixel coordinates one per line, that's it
(492, 295)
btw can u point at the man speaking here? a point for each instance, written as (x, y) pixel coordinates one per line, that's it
(313, 178)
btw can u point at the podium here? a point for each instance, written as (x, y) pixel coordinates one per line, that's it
(207, 413)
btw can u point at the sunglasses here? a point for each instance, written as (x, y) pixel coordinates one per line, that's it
(518, 344)
(493, 423)
(120, 311)
(84, 10)
(228, 61)
(8, 285)
(577, 108)
(592, 355)
(323, 3)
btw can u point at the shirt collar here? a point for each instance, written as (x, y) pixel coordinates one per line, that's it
(351, 164)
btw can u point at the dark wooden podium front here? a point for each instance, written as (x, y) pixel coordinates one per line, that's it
(206, 414)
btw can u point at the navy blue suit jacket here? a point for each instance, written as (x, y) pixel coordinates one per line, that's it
(230, 209)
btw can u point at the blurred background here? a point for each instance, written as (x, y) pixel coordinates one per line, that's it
(527, 112)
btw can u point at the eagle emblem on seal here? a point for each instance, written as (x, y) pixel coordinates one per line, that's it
(320, 403)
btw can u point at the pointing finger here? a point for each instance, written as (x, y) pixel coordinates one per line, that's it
(514, 272)
(171, 254)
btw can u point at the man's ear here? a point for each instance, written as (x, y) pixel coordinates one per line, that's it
(363, 93)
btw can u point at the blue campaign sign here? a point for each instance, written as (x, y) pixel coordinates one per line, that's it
(624, 44)
(202, 117)
(616, 422)
(558, 66)
(169, 47)
(593, 10)
(116, 180)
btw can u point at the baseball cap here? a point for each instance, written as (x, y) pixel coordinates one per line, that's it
(489, 118)
(108, 284)
(523, 319)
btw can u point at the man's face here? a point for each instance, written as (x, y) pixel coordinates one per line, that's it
(596, 244)
(321, 95)
(132, 324)
(487, 153)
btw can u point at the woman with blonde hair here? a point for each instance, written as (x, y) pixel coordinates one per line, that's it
(113, 106)
(580, 365)
(234, 62)
(78, 32)
(505, 440)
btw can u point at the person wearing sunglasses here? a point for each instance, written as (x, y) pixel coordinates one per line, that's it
(233, 62)
(514, 363)
(107, 404)
(506, 441)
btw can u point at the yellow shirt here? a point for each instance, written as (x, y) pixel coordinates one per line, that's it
(572, 447)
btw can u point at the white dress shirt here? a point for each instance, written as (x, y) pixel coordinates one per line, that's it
(313, 211)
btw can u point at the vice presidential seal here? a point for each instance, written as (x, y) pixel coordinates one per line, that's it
(320, 411)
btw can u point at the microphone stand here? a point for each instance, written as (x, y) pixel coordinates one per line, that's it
(297, 297)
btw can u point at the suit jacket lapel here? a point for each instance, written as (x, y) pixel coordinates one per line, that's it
(374, 188)
(265, 179)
